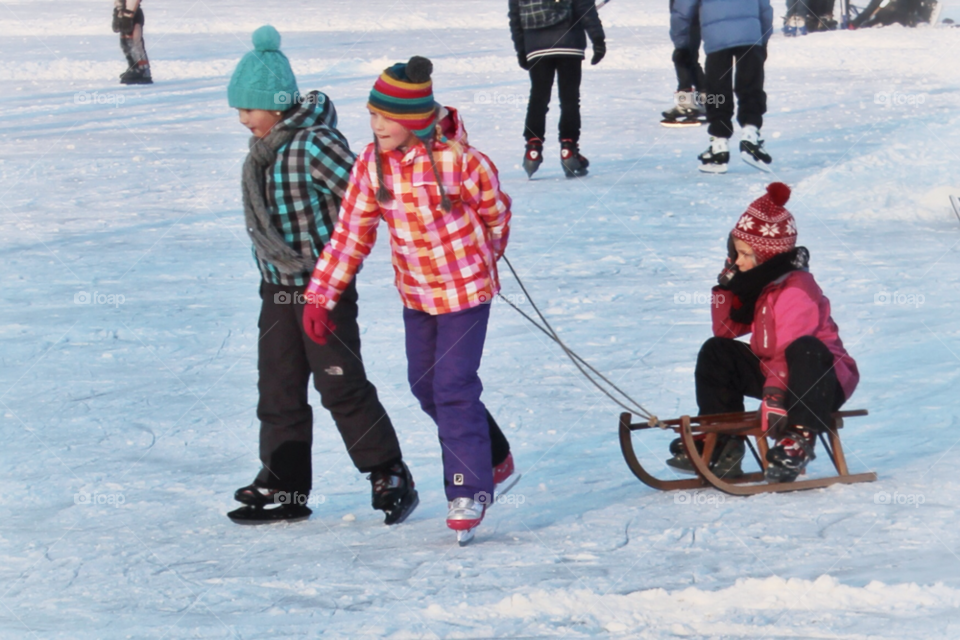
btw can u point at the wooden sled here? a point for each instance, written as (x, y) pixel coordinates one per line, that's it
(741, 424)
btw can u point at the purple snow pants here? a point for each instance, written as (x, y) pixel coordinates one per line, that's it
(443, 357)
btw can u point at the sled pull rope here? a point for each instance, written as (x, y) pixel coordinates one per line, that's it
(581, 364)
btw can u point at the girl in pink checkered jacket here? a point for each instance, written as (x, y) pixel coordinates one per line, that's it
(448, 223)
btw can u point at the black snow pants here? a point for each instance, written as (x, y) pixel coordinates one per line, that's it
(568, 70)
(727, 371)
(287, 358)
(747, 82)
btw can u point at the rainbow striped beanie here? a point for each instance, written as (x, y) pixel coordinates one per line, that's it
(404, 93)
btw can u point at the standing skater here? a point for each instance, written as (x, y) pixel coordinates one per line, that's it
(128, 22)
(294, 178)
(448, 223)
(688, 109)
(735, 35)
(550, 37)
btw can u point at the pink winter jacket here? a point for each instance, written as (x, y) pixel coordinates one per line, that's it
(787, 309)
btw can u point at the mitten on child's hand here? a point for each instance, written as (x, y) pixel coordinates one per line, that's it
(316, 323)
(522, 59)
(773, 412)
(599, 50)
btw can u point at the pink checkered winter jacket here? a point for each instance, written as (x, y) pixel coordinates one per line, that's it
(444, 262)
(787, 309)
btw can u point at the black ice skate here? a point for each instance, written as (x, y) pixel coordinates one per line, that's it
(533, 156)
(717, 157)
(687, 111)
(393, 492)
(574, 164)
(790, 456)
(751, 149)
(266, 506)
(138, 74)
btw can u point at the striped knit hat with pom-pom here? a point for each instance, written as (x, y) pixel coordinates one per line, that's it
(766, 226)
(404, 93)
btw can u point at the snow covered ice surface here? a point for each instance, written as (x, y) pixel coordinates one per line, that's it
(128, 343)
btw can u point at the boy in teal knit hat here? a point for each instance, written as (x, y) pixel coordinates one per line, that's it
(294, 178)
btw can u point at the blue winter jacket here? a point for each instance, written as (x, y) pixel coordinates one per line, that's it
(724, 24)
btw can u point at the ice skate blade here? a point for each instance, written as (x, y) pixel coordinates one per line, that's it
(680, 124)
(465, 536)
(713, 168)
(254, 515)
(508, 484)
(753, 162)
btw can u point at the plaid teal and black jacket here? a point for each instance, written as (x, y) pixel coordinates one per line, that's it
(306, 183)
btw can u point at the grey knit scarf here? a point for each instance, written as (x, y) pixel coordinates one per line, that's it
(267, 241)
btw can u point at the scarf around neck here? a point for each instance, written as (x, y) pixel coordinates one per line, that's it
(747, 286)
(267, 241)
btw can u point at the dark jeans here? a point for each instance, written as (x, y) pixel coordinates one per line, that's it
(727, 371)
(567, 69)
(443, 357)
(287, 358)
(747, 82)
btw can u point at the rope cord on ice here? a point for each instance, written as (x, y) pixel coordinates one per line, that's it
(579, 362)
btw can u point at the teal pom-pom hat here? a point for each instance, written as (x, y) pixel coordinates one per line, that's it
(263, 78)
(404, 93)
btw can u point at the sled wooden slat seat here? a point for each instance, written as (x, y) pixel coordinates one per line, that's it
(745, 424)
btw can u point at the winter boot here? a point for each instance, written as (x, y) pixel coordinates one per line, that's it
(574, 164)
(533, 156)
(717, 157)
(790, 456)
(751, 149)
(794, 26)
(687, 111)
(393, 492)
(725, 461)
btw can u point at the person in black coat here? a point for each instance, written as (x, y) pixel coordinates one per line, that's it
(550, 37)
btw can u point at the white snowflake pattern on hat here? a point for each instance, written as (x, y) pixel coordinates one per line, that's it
(770, 230)
(791, 227)
(746, 222)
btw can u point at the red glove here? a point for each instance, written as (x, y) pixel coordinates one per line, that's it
(773, 412)
(316, 323)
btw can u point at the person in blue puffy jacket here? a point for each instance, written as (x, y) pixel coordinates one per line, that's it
(735, 35)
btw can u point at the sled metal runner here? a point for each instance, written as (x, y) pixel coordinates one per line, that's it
(739, 424)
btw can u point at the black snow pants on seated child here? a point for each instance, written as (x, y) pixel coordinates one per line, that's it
(287, 358)
(727, 371)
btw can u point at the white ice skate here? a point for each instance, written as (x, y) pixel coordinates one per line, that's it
(464, 516)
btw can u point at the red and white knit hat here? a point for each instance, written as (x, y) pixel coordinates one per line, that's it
(766, 226)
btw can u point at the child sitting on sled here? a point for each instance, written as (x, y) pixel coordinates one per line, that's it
(795, 361)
